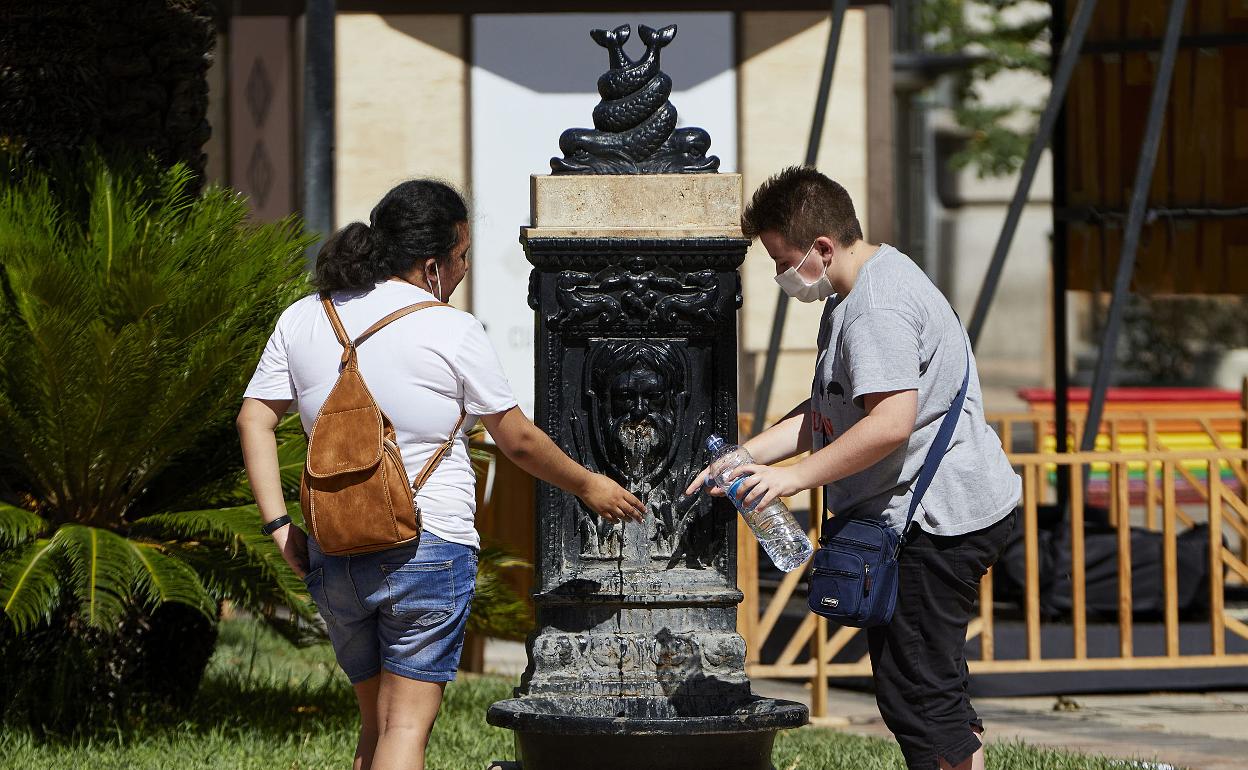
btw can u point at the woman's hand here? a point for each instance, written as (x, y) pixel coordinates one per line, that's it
(765, 484)
(700, 482)
(610, 500)
(293, 543)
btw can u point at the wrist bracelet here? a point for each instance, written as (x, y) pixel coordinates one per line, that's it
(275, 525)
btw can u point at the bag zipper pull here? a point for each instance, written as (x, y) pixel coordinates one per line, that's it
(866, 585)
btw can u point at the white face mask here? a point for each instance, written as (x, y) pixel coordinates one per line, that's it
(796, 286)
(438, 275)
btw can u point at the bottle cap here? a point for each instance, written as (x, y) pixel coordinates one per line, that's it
(715, 443)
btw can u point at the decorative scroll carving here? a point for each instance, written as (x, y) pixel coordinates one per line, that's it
(634, 124)
(665, 651)
(616, 295)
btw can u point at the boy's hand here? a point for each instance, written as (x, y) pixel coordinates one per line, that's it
(765, 484)
(700, 482)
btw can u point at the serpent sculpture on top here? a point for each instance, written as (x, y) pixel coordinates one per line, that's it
(634, 124)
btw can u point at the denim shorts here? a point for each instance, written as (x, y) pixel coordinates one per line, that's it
(403, 608)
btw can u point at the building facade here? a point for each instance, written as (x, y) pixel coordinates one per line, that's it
(478, 93)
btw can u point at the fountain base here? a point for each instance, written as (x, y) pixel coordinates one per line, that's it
(573, 733)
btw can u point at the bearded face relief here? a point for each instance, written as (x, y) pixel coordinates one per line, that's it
(638, 437)
(640, 424)
(638, 404)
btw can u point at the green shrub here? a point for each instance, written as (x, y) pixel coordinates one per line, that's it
(128, 329)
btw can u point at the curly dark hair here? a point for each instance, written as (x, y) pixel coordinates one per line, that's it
(802, 204)
(417, 220)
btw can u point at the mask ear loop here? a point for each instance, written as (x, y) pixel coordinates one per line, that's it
(805, 256)
(438, 275)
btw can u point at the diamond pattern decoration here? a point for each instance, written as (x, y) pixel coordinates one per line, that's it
(260, 174)
(259, 92)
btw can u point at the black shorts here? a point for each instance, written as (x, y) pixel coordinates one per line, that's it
(917, 660)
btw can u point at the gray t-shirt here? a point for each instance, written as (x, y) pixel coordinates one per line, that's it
(896, 331)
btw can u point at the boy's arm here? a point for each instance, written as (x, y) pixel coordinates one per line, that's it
(887, 425)
(787, 438)
(790, 436)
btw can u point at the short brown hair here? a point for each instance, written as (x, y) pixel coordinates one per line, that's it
(802, 204)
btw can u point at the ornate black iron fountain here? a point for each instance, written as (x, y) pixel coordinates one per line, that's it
(636, 662)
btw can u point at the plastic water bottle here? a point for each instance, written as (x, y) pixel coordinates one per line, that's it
(774, 526)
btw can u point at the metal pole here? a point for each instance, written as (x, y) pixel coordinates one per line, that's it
(318, 120)
(1135, 221)
(1057, 96)
(1061, 376)
(825, 81)
(763, 396)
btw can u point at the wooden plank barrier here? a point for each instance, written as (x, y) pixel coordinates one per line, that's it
(1204, 474)
(1221, 430)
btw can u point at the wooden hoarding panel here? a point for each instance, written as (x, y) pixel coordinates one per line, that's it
(1202, 161)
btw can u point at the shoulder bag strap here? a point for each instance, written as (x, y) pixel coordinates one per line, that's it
(939, 446)
(432, 463)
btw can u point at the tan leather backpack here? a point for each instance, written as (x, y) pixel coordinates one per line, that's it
(355, 495)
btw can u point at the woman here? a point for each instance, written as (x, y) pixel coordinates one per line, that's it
(396, 617)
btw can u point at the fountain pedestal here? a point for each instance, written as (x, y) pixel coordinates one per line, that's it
(636, 661)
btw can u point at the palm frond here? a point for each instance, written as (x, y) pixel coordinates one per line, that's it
(18, 525)
(283, 604)
(163, 578)
(101, 571)
(499, 558)
(128, 335)
(235, 561)
(236, 526)
(29, 589)
(292, 452)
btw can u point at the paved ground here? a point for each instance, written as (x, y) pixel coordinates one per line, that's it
(1197, 731)
(1200, 731)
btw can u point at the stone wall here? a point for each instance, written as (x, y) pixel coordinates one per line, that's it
(781, 60)
(402, 109)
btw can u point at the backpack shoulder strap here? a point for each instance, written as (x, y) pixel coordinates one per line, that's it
(348, 357)
(432, 463)
(335, 321)
(340, 331)
(396, 315)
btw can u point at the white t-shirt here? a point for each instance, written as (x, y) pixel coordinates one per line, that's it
(421, 369)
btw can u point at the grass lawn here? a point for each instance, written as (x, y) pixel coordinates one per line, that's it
(268, 706)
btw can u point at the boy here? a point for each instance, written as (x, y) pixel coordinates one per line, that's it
(892, 356)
